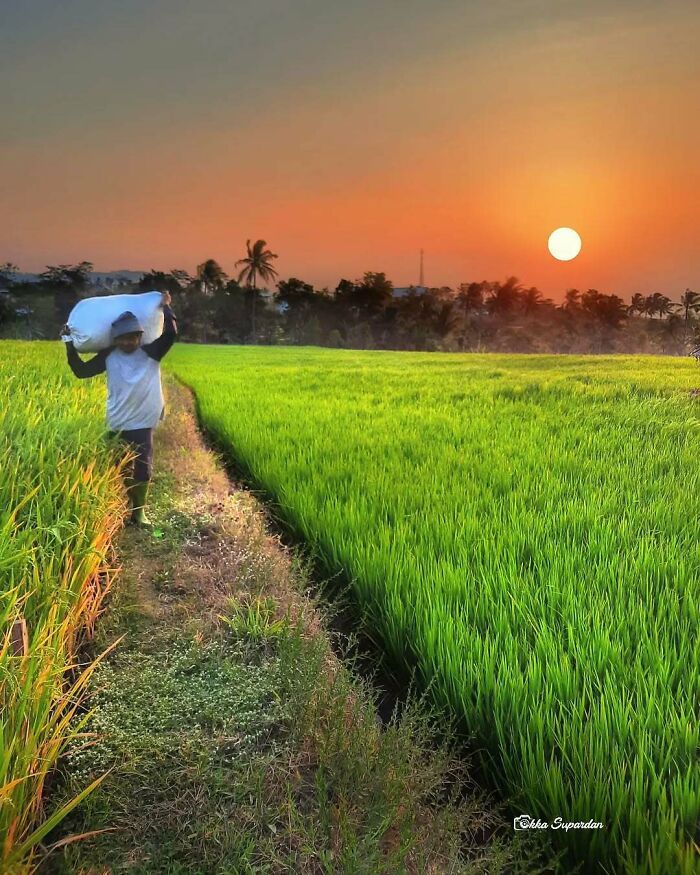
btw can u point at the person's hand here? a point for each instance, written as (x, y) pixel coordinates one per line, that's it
(165, 299)
(65, 331)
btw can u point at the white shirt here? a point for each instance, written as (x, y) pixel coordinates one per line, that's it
(134, 391)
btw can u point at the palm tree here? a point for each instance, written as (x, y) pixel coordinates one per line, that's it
(471, 296)
(690, 301)
(650, 302)
(636, 304)
(572, 300)
(211, 276)
(256, 264)
(662, 305)
(504, 296)
(532, 299)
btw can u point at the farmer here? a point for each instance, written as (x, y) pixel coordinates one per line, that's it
(134, 394)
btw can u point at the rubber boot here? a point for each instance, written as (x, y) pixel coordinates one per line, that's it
(138, 492)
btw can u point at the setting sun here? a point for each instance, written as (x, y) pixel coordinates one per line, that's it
(564, 244)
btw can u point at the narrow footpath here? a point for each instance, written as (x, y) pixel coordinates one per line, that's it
(237, 740)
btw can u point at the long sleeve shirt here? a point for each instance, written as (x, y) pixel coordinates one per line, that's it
(134, 391)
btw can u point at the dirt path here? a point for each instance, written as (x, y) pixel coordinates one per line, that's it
(237, 740)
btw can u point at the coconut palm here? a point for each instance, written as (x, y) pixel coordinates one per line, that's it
(256, 264)
(664, 306)
(211, 276)
(471, 296)
(572, 300)
(690, 301)
(636, 304)
(503, 297)
(658, 303)
(532, 299)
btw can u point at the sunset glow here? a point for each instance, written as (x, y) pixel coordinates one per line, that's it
(467, 130)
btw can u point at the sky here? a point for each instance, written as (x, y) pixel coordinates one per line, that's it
(349, 134)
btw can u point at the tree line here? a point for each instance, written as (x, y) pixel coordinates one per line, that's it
(365, 313)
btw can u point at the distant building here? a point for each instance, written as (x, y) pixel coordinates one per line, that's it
(402, 291)
(114, 279)
(98, 278)
(270, 301)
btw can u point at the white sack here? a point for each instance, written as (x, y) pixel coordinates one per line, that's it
(90, 321)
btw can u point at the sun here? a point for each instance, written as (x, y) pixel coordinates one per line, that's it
(564, 244)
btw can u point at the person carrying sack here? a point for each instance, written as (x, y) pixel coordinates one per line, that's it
(135, 401)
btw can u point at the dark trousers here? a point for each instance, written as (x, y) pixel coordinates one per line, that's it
(141, 439)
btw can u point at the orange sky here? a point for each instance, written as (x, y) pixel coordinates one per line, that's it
(349, 138)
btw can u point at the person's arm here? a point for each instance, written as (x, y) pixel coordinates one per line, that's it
(158, 348)
(92, 367)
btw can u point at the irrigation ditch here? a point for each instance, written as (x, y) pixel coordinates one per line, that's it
(364, 648)
(360, 647)
(172, 587)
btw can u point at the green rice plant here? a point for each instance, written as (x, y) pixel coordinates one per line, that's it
(523, 530)
(60, 505)
(254, 621)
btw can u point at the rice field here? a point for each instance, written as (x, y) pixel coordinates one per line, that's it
(60, 503)
(524, 529)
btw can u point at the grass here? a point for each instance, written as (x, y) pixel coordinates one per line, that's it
(264, 771)
(60, 505)
(235, 742)
(523, 530)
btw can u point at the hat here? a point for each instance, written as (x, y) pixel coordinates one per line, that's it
(125, 324)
